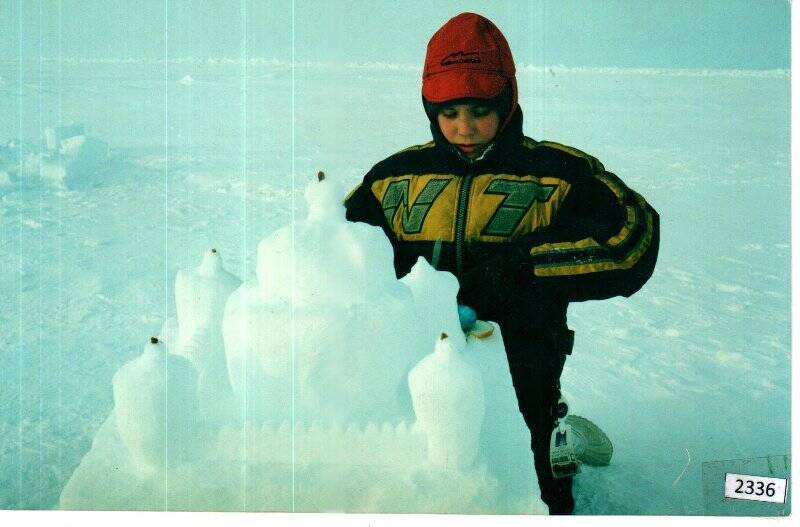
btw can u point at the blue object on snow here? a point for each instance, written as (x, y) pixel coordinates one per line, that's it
(467, 316)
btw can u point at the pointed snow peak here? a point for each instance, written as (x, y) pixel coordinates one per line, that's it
(211, 263)
(435, 295)
(420, 270)
(425, 276)
(325, 199)
(444, 346)
(153, 348)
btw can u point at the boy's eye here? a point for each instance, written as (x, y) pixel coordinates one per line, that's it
(474, 111)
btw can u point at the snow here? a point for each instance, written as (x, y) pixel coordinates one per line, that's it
(449, 404)
(68, 159)
(155, 410)
(59, 137)
(697, 362)
(309, 379)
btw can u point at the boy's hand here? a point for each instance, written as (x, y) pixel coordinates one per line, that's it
(467, 317)
(496, 280)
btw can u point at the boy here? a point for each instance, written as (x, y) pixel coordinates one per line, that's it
(525, 226)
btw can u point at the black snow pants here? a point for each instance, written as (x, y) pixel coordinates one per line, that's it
(536, 365)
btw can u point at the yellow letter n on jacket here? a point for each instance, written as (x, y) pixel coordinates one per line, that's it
(419, 208)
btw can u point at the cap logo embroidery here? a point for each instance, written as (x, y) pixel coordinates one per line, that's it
(459, 57)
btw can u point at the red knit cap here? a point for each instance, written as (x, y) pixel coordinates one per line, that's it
(468, 57)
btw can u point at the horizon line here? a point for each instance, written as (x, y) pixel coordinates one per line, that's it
(521, 68)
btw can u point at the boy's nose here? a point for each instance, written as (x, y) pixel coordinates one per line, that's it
(465, 127)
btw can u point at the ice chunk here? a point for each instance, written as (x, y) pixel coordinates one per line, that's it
(55, 135)
(80, 162)
(155, 404)
(71, 146)
(54, 173)
(447, 393)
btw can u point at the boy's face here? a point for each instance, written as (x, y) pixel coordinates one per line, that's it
(470, 127)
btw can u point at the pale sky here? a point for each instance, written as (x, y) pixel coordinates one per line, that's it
(729, 34)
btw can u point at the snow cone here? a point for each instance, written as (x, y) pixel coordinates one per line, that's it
(447, 395)
(200, 297)
(155, 407)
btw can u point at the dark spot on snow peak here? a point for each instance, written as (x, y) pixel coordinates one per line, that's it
(213, 251)
(320, 175)
(443, 336)
(153, 340)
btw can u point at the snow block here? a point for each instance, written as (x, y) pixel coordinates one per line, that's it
(81, 162)
(54, 135)
(73, 160)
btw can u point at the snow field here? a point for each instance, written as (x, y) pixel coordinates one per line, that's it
(696, 362)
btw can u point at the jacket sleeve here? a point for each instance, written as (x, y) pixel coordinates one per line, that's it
(602, 243)
(362, 206)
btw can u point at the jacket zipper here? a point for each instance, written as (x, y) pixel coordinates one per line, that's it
(461, 221)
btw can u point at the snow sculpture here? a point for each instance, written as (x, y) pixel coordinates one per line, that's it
(326, 307)
(447, 394)
(155, 405)
(316, 390)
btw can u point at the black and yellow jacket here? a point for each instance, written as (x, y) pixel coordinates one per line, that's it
(527, 228)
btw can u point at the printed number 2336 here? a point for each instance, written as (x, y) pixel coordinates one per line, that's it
(747, 486)
(755, 488)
